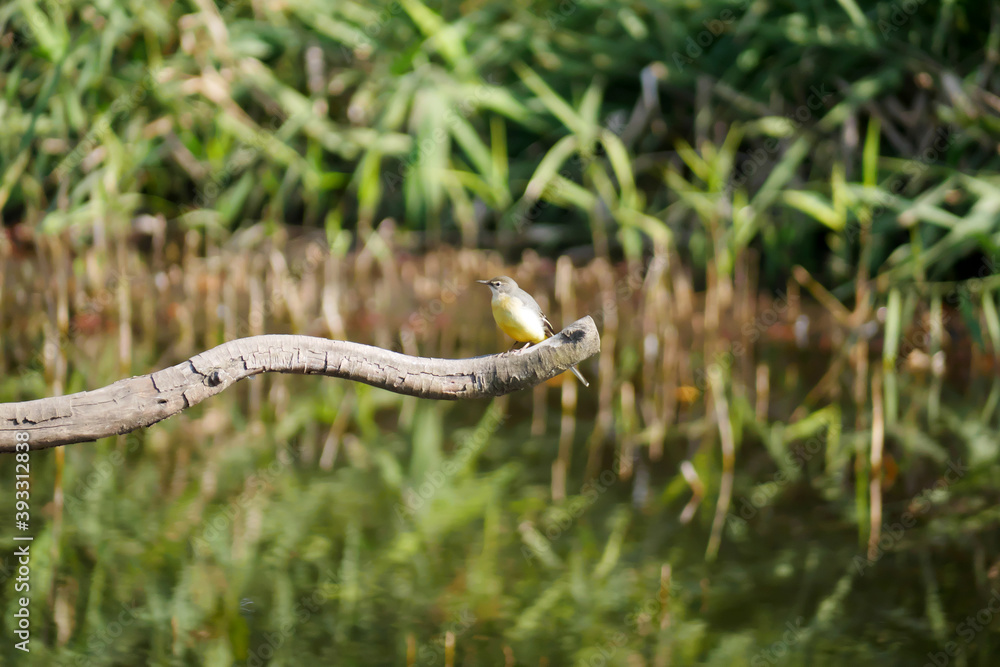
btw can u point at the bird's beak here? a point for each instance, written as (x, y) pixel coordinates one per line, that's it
(483, 282)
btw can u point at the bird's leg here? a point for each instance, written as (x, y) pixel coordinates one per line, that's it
(513, 347)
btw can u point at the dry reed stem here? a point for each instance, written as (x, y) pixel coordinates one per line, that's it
(567, 426)
(626, 443)
(763, 392)
(875, 483)
(604, 423)
(655, 331)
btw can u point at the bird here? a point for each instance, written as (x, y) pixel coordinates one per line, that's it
(519, 316)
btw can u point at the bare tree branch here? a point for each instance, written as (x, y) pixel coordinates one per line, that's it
(137, 402)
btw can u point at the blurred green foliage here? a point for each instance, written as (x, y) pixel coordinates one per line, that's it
(713, 126)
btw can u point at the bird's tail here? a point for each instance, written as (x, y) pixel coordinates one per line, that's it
(579, 376)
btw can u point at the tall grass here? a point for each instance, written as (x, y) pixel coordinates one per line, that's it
(797, 129)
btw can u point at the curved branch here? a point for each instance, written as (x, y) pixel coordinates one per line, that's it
(137, 402)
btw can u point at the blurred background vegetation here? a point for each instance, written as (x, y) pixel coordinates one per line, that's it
(783, 215)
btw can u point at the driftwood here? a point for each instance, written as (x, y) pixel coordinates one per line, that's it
(138, 402)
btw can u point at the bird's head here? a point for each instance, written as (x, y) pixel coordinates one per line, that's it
(500, 285)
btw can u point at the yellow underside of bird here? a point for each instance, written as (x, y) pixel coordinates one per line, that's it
(517, 320)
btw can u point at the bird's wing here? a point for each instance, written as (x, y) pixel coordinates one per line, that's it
(530, 302)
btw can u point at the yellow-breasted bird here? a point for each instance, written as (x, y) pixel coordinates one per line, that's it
(519, 316)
